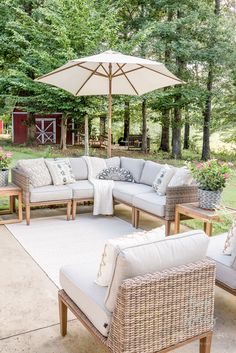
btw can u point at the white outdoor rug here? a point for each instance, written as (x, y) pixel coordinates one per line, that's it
(54, 242)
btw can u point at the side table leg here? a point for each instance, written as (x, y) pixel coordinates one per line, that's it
(20, 214)
(208, 228)
(12, 202)
(177, 221)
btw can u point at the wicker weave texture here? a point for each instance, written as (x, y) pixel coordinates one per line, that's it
(159, 310)
(177, 195)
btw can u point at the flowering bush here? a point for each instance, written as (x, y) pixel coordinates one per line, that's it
(211, 175)
(5, 158)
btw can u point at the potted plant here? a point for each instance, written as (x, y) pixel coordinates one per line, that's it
(5, 160)
(211, 177)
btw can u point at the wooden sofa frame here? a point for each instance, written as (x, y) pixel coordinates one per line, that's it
(156, 312)
(174, 196)
(23, 181)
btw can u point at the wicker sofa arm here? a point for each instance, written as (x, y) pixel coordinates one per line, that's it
(20, 179)
(176, 195)
(157, 311)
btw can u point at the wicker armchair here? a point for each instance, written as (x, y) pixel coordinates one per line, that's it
(23, 181)
(174, 196)
(157, 312)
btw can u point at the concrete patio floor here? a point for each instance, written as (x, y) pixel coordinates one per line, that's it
(29, 313)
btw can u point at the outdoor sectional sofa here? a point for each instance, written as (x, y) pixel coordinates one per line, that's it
(138, 195)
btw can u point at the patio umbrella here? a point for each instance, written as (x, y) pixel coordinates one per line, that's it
(110, 73)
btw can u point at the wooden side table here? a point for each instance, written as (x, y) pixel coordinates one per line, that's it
(193, 211)
(12, 191)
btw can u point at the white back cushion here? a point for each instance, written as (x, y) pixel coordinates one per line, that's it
(36, 170)
(141, 259)
(113, 162)
(149, 173)
(105, 267)
(135, 166)
(79, 168)
(182, 177)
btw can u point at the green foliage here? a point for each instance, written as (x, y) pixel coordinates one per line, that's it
(5, 158)
(211, 175)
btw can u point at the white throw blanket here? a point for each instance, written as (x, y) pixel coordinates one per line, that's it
(103, 199)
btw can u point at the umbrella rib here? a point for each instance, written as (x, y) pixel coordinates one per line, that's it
(158, 72)
(127, 72)
(105, 71)
(120, 67)
(128, 80)
(56, 71)
(96, 73)
(88, 78)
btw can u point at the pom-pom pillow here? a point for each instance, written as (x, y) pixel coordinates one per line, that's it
(116, 174)
(230, 242)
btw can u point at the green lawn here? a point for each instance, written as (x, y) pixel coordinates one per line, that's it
(22, 152)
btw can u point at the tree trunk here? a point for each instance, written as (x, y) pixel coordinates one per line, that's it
(186, 132)
(31, 130)
(165, 133)
(207, 117)
(64, 122)
(144, 127)
(126, 121)
(176, 132)
(176, 127)
(86, 135)
(207, 112)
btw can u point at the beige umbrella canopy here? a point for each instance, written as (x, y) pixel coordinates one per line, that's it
(110, 73)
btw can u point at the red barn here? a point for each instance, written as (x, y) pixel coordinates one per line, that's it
(1, 127)
(48, 128)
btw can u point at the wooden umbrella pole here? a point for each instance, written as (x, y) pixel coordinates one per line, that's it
(109, 112)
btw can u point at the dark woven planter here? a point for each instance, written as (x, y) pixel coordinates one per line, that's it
(4, 177)
(209, 200)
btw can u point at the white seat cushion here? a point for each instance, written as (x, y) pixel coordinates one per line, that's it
(135, 166)
(78, 282)
(149, 173)
(50, 193)
(79, 168)
(224, 263)
(151, 202)
(125, 191)
(82, 189)
(141, 259)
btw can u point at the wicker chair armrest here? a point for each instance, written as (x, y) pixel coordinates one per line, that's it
(177, 195)
(21, 179)
(156, 311)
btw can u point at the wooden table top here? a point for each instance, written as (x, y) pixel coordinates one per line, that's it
(10, 188)
(193, 209)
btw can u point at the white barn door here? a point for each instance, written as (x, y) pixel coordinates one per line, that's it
(45, 130)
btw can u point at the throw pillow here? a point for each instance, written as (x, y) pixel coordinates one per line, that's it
(162, 179)
(182, 177)
(117, 174)
(230, 241)
(36, 170)
(61, 171)
(105, 268)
